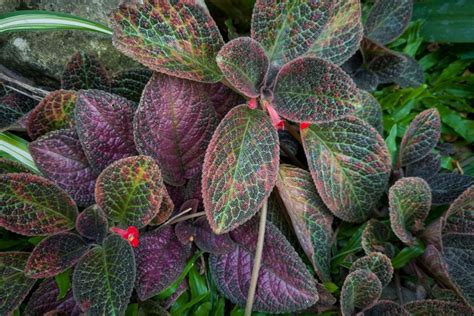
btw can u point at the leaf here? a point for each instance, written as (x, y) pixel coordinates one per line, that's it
(377, 263)
(63, 281)
(151, 308)
(31, 205)
(458, 252)
(130, 83)
(446, 187)
(13, 107)
(388, 19)
(460, 216)
(45, 300)
(410, 203)
(288, 286)
(342, 34)
(223, 99)
(207, 241)
(287, 30)
(244, 64)
(10, 166)
(130, 191)
(54, 255)
(103, 279)
(240, 168)
(407, 254)
(160, 260)
(425, 168)
(375, 238)
(348, 160)
(388, 67)
(36, 20)
(361, 288)
(385, 308)
(92, 224)
(59, 156)
(314, 90)
(365, 79)
(436, 307)
(16, 148)
(421, 137)
(370, 111)
(412, 75)
(104, 125)
(84, 71)
(173, 124)
(310, 218)
(176, 38)
(166, 209)
(14, 285)
(55, 111)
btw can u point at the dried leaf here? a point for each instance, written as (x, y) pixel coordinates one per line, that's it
(240, 168)
(84, 71)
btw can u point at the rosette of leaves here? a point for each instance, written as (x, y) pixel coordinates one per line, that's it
(376, 64)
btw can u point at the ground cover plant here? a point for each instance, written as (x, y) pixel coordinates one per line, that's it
(251, 173)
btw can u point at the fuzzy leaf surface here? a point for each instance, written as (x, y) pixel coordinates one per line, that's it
(14, 284)
(446, 187)
(361, 289)
(178, 38)
(284, 285)
(31, 205)
(412, 74)
(130, 191)
(161, 258)
(342, 34)
(55, 111)
(385, 308)
(240, 168)
(45, 300)
(310, 218)
(377, 263)
(388, 19)
(130, 83)
(410, 203)
(436, 307)
(10, 166)
(425, 168)
(460, 215)
(370, 111)
(421, 137)
(244, 64)
(166, 209)
(85, 71)
(104, 123)
(375, 238)
(313, 90)
(103, 280)
(174, 124)
(223, 98)
(13, 107)
(59, 156)
(287, 29)
(350, 166)
(92, 224)
(55, 254)
(207, 241)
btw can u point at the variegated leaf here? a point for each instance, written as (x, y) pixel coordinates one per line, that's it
(10, 166)
(130, 83)
(350, 166)
(240, 168)
(425, 168)
(84, 71)
(361, 288)
(375, 238)
(460, 215)
(446, 187)
(412, 74)
(436, 307)
(370, 111)
(92, 224)
(385, 308)
(377, 263)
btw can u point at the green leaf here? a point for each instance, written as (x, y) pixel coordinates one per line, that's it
(63, 281)
(103, 279)
(197, 283)
(33, 20)
(407, 254)
(178, 38)
(446, 21)
(361, 288)
(17, 149)
(391, 142)
(31, 205)
(240, 168)
(350, 166)
(130, 191)
(462, 126)
(310, 218)
(313, 90)
(14, 285)
(410, 203)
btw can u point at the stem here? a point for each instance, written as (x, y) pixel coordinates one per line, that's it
(185, 218)
(258, 259)
(36, 93)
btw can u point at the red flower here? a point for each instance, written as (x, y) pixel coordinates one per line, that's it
(278, 123)
(253, 104)
(305, 125)
(131, 234)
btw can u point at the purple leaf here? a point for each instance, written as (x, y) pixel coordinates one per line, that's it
(446, 187)
(84, 71)
(92, 224)
(244, 64)
(104, 125)
(284, 284)
(173, 124)
(44, 300)
(55, 254)
(59, 156)
(207, 241)
(223, 98)
(160, 260)
(166, 209)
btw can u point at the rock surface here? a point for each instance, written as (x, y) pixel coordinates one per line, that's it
(42, 55)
